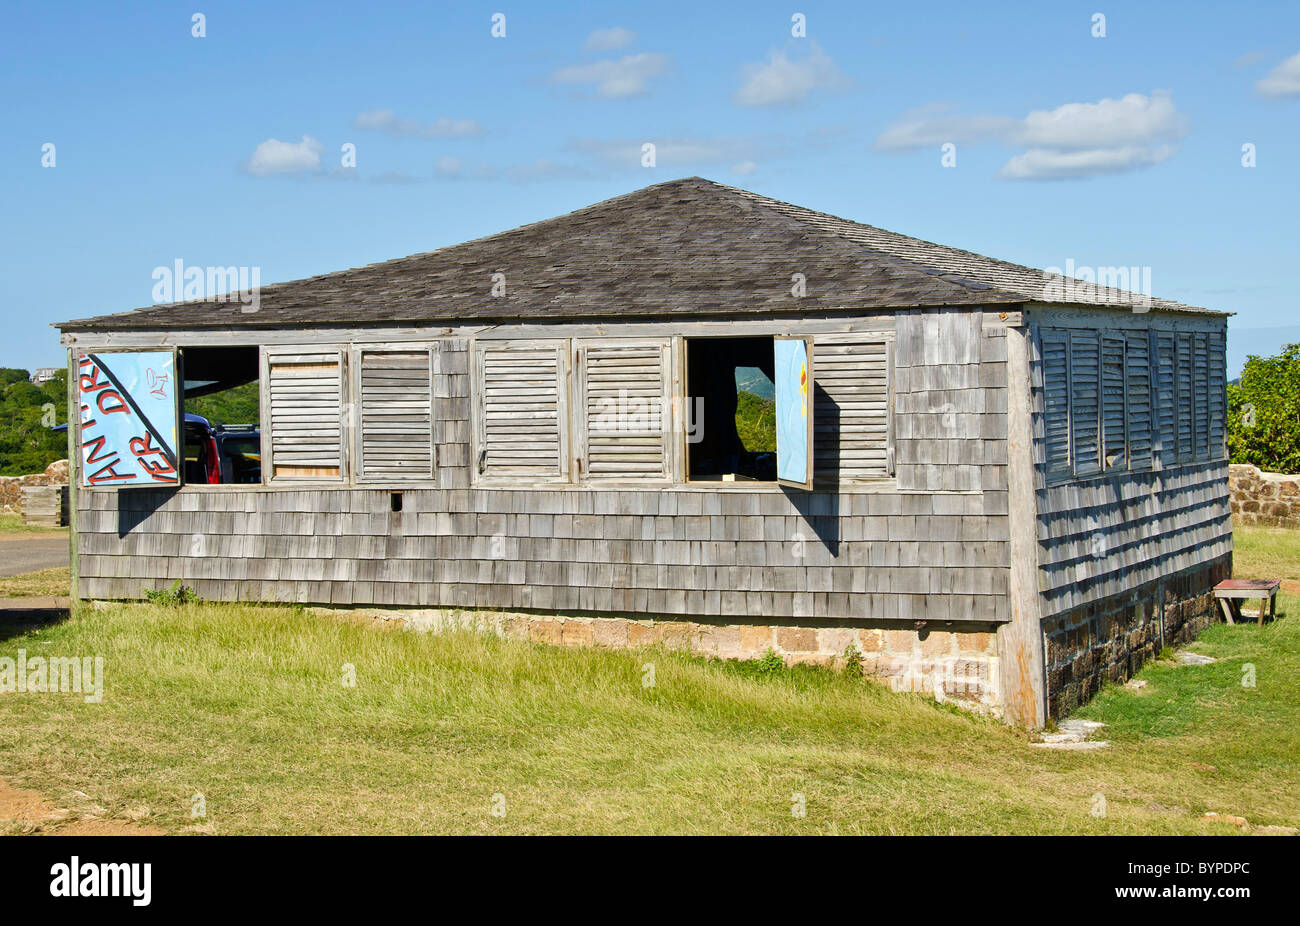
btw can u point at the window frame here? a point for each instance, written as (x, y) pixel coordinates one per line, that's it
(580, 468)
(269, 477)
(564, 413)
(357, 354)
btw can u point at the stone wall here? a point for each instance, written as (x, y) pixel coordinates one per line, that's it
(11, 487)
(1270, 499)
(954, 663)
(1112, 638)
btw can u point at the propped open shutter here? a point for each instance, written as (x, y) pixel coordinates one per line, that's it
(127, 429)
(795, 411)
(1185, 421)
(1137, 365)
(624, 403)
(1218, 396)
(1166, 399)
(396, 437)
(304, 413)
(521, 410)
(1201, 393)
(852, 434)
(1056, 401)
(1085, 383)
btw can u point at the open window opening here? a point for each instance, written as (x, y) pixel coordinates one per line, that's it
(222, 431)
(730, 381)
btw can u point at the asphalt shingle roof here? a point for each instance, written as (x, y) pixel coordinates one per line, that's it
(687, 247)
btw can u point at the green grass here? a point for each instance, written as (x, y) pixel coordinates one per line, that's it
(247, 706)
(13, 524)
(1266, 553)
(51, 583)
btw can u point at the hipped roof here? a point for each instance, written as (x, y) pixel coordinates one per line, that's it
(685, 248)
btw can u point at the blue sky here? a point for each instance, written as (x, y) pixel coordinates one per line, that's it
(1122, 150)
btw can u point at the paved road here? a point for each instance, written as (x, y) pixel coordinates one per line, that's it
(19, 554)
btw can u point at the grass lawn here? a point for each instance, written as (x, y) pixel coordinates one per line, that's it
(13, 524)
(1266, 553)
(52, 583)
(248, 707)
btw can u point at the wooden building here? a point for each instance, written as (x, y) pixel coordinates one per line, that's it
(1019, 482)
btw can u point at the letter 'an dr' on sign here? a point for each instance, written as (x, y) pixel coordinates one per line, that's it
(128, 423)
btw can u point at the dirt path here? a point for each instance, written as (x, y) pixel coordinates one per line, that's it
(24, 812)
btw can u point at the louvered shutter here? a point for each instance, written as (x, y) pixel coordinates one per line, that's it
(304, 392)
(396, 421)
(1166, 400)
(852, 436)
(1084, 404)
(1218, 413)
(1137, 365)
(521, 410)
(624, 398)
(1201, 393)
(1183, 386)
(1056, 401)
(1113, 418)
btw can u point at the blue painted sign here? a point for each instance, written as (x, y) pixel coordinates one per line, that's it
(129, 434)
(794, 412)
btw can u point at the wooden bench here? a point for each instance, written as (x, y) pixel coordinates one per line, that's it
(1230, 592)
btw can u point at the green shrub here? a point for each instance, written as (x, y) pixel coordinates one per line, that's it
(769, 662)
(853, 661)
(1264, 413)
(172, 597)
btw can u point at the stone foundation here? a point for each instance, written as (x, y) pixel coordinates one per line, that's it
(11, 487)
(1112, 638)
(1270, 499)
(951, 662)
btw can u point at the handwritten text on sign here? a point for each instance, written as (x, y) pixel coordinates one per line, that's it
(128, 419)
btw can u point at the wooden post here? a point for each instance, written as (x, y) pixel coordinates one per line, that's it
(74, 475)
(1023, 678)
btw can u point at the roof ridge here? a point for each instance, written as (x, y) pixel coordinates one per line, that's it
(785, 210)
(1106, 294)
(683, 246)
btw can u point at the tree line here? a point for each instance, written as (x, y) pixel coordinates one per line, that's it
(28, 412)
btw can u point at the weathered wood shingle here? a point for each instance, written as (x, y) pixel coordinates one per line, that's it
(688, 247)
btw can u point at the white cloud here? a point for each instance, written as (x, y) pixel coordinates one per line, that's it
(386, 120)
(1283, 80)
(784, 80)
(1048, 164)
(1132, 119)
(449, 168)
(395, 176)
(545, 169)
(609, 39)
(274, 157)
(744, 168)
(931, 126)
(1073, 140)
(669, 152)
(628, 76)
(1249, 59)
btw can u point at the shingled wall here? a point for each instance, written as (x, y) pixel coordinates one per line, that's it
(932, 547)
(1126, 560)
